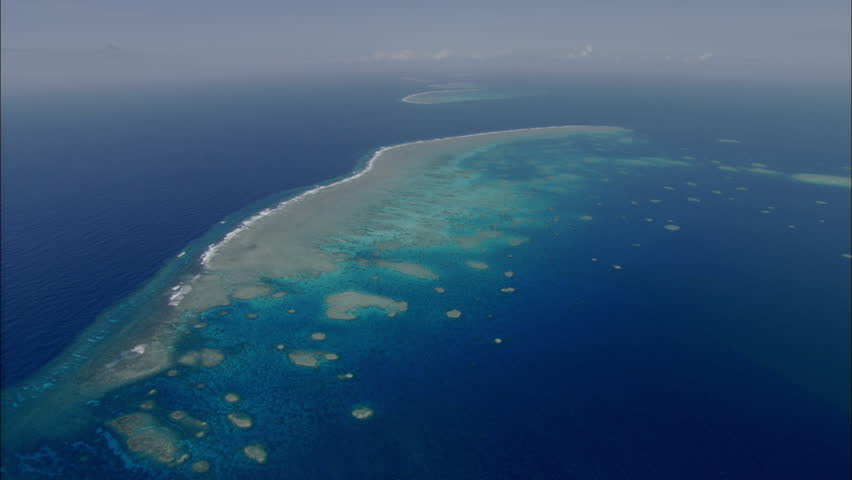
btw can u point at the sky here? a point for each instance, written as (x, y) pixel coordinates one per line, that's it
(68, 41)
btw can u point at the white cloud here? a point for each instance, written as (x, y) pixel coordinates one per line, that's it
(406, 55)
(442, 54)
(393, 56)
(582, 52)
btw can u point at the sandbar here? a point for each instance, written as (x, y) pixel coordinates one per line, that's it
(362, 413)
(341, 306)
(210, 357)
(819, 179)
(245, 292)
(435, 96)
(256, 452)
(476, 264)
(411, 269)
(189, 359)
(310, 358)
(145, 435)
(241, 420)
(193, 426)
(475, 241)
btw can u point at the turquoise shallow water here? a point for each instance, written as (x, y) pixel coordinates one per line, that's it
(688, 361)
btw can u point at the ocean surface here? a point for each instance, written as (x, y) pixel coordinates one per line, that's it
(626, 349)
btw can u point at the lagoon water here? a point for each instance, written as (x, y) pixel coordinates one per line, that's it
(666, 299)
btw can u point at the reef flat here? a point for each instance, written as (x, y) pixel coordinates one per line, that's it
(454, 95)
(819, 179)
(304, 237)
(347, 265)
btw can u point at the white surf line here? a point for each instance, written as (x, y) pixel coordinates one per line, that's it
(214, 247)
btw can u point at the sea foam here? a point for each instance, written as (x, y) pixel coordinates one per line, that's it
(214, 247)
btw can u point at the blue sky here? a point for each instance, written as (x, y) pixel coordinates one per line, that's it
(265, 36)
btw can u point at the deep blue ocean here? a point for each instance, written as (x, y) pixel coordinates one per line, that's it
(721, 353)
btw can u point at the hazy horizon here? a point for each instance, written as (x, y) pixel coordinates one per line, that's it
(50, 43)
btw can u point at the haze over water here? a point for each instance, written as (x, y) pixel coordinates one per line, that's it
(531, 308)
